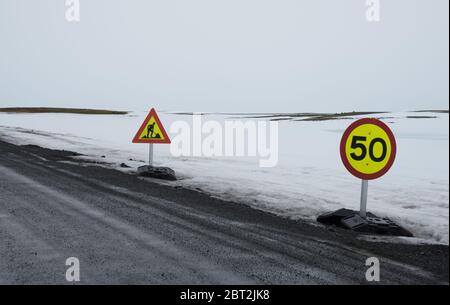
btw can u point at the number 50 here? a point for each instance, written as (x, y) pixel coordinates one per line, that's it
(360, 143)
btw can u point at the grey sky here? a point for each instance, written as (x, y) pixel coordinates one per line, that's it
(225, 55)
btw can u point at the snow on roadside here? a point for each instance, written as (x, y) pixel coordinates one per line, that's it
(308, 180)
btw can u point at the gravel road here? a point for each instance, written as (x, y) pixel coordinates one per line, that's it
(128, 230)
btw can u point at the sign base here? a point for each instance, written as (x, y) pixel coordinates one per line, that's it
(349, 219)
(163, 173)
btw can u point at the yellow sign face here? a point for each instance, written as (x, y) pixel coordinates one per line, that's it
(368, 149)
(152, 131)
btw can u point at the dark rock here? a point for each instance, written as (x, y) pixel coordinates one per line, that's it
(123, 165)
(163, 173)
(372, 224)
(334, 218)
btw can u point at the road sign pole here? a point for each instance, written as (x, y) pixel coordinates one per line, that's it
(150, 155)
(364, 190)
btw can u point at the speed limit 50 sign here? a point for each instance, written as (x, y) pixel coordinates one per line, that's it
(368, 149)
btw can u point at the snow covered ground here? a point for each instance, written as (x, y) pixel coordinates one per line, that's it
(308, 180)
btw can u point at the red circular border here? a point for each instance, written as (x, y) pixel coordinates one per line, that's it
(344, 139)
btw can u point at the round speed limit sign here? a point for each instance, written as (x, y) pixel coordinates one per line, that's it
(368, 149)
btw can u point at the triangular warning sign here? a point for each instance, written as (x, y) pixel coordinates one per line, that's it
(152, 131)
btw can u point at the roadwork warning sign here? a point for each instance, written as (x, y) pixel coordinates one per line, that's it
(152, 131)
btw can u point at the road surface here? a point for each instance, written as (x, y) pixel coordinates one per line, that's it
(127, 230)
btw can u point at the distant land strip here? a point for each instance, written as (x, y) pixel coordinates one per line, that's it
(60, 110)
(433, 111)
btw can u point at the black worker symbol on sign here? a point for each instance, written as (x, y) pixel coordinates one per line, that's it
(151, 132)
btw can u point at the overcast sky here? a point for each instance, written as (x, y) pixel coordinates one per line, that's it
(225, 55)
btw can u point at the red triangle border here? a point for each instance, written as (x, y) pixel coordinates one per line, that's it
(151, 114)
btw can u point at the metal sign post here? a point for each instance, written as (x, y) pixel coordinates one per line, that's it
(364, 190)
(150, 154)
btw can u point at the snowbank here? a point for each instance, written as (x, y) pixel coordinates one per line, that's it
(308, 180)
